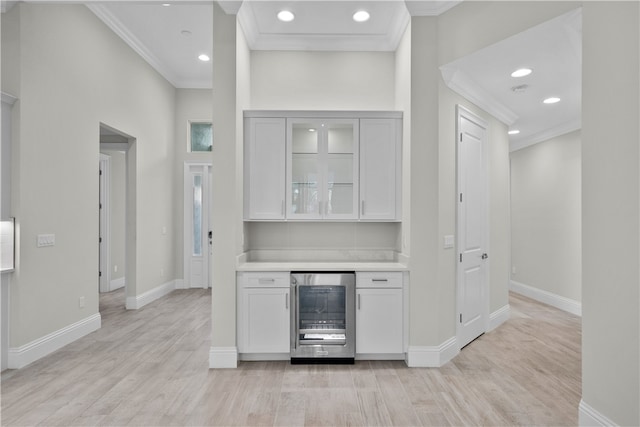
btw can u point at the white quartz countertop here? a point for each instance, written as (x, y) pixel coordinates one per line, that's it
(322, 266)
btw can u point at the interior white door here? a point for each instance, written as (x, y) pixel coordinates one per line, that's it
(197, 231)
(472, 227)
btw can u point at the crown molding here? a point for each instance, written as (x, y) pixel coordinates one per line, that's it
(546, 134)
(117, 27)
(464, 85)
(230, 7)
(430, 8)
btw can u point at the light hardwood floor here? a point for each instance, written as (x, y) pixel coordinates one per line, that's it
(150, 367)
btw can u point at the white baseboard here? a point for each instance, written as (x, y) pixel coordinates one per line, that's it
(116, 284)
(134, 303)
(498, 317)
(180, 284)
(22, 356)
(432, 356)
(557, 301)
(223, 357)
(587, 416)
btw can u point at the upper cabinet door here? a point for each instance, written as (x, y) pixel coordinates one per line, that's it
(265, 159)
(322, 165)
(380, 169)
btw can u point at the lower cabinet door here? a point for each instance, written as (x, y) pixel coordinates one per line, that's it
(265, 320)
(379, 321)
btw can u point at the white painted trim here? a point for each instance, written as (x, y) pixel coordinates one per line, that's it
(381, 356)
(223, 357)
(498, 317)
(28, 353)
(430, 8)
(588, 416)
(134, 303)
(546, 135)
(557, 301)
(180, 284)
(432, 356)
(129, 38)
(464, 85)
(116, 284)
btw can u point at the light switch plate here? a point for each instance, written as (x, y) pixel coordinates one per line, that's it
(46, 240)
(448, 241)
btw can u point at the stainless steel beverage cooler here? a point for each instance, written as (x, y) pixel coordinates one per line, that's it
(323, 317)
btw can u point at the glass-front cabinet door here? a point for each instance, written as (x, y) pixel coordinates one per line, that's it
(322, 165)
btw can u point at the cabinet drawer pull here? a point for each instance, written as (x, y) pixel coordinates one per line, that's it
(358, 301)
(266, 280)
(379, 280)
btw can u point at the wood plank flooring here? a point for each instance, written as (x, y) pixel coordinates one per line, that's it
(150, 368)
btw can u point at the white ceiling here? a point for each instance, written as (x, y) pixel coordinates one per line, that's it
(552, 49)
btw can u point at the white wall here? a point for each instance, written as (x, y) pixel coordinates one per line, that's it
(546, 226)
(290, 80)
(611, 211)
(70, 73)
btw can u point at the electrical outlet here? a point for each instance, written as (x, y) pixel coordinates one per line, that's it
(115, 268)
(513, 269)
(162, 272)
(164, 231)
(81, 302)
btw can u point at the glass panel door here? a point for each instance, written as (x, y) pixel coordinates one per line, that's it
(340, 169)
(322, 315)
(322, 160)
(305, 172)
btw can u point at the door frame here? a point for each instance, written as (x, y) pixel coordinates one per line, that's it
(464, 113)
(186, 266)
(104, 267)
(118, 140)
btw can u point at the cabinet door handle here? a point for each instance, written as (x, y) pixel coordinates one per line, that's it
(363, 207)
(358, 301)
(286, 301)
(282, 208)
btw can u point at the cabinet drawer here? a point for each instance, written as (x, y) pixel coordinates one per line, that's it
(381, 279)
(265, 280)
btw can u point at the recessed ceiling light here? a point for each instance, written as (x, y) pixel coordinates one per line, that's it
(166, 4)
(286, 16)
(312, 130)
(521, 72)
(551, 100)
(204, 58)
(361, 16)
(513, 132)
(185, 33)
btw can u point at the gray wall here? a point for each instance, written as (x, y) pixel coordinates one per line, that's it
(611, 210)
(70, 73)
(546, 226)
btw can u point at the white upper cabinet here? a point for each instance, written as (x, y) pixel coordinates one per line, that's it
(322, 166)
(380, 160)
(322, 169)
(265, 159)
